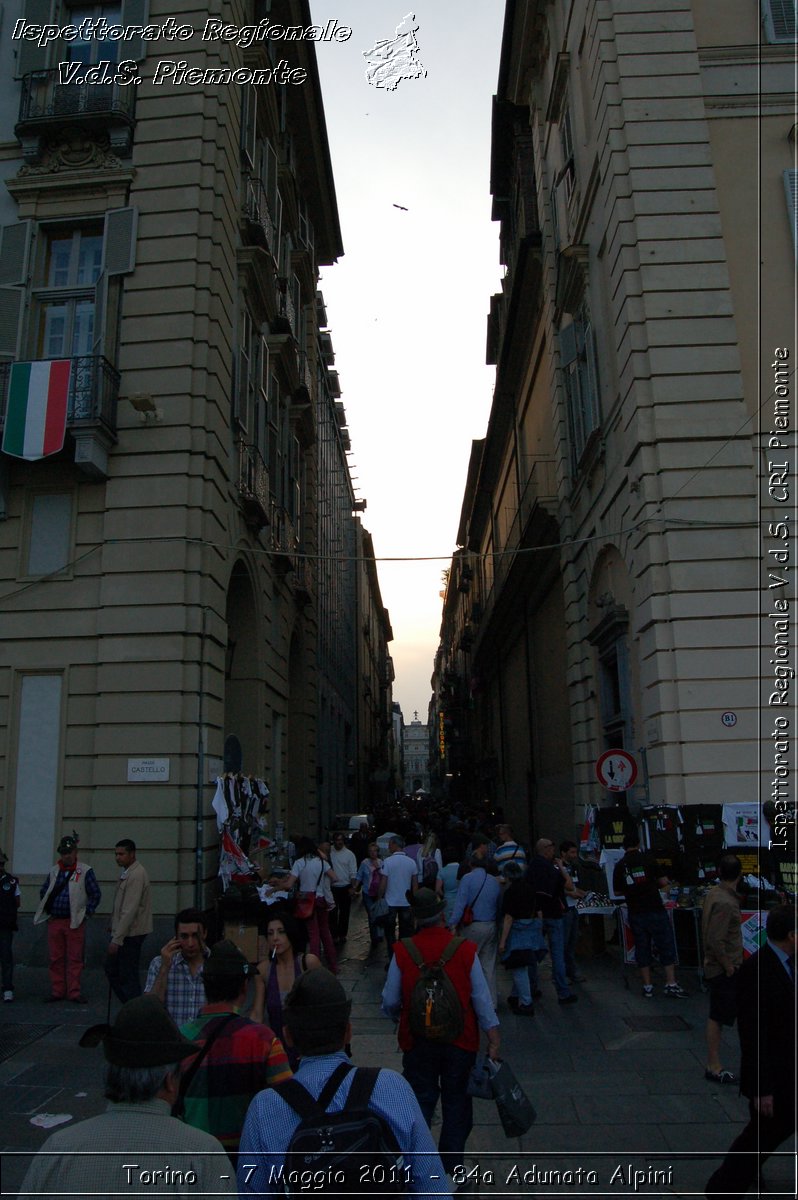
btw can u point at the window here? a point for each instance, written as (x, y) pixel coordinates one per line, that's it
(580, 377)
(65, 304)
(91, 50)
(778, 17)
(73, 302)
(37, 772)
(251, 384)
(567, 175)
(50, 540)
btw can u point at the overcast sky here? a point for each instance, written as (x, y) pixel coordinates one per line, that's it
(408, 302)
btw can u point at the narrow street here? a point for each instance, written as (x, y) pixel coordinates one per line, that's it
(617, 1082)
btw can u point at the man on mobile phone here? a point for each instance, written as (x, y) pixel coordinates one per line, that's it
(175, 975)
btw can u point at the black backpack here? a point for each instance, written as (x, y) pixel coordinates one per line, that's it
(347, 1152)
(435, 1012)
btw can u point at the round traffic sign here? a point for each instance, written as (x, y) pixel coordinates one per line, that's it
(616, 770)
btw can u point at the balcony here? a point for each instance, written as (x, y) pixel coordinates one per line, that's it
(48, 106)
(91, 411)
(259, 227)
(253, 486)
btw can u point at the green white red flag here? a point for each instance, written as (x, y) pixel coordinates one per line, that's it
(36, 413)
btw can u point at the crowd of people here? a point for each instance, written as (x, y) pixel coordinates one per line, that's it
(448, 917)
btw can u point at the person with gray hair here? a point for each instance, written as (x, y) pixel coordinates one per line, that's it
(479, 899)
(136, 1146)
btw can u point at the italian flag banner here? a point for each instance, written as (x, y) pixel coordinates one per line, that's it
(36, 413)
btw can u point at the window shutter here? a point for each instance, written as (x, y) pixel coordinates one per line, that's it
(119, 241)
(791, 188)
(135, 12)
(568, 346)
(779, 20)
(15, 241)
(12, 302)
(100, 308)
(249, 125)
(31, 57)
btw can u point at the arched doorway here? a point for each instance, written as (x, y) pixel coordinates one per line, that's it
(243, 677)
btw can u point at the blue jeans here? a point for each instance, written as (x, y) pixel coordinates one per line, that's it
(122, 969)
(554, 930)
(436, 1069)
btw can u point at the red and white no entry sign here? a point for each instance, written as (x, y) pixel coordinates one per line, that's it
(616, 770)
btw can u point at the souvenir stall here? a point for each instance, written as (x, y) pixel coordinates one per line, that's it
(241, 805)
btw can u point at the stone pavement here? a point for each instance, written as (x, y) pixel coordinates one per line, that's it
(611, 1099)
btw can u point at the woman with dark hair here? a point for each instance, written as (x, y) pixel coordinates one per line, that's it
(520, 939)
(286, 938)
(309, 872)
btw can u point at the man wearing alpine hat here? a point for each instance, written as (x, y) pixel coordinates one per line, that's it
(136, 1146)
(69, 895)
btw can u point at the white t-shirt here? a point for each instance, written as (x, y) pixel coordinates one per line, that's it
(344, 864)
(310, 874)
(400, 871)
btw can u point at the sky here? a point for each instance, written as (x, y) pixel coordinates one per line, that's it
(407, 304)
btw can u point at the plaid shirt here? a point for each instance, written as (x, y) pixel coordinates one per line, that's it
(185, 993)
(245, 1058)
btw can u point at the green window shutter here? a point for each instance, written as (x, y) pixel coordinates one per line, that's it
(135, 12)
(15, 242)
(12, 306)
(779, 20)
(119, 244)
(30, 56)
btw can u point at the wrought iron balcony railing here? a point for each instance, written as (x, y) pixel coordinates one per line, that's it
(93, 393)
(253, 485)
(47, 103)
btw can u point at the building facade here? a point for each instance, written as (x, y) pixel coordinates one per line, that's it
(165, 615)
(606, 593)
(416, 756)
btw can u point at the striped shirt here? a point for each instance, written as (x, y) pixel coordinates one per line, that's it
(243, 1059)
(507, 851)
(271, 1122)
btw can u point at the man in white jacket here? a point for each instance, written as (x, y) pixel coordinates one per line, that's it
(131, 921)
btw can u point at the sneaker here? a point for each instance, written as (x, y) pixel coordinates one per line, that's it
(675, 991)
(722, 1076)
(648, 990)
(525, 1010)
(8, 995)
(568, 999)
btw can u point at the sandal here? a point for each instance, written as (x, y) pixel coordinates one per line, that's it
(722, 1076)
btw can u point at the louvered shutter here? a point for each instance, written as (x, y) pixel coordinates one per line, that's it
(791, 188)
(30, 56)
(779, 20)
(568, 344)
(15, 241)
(12, 301)
(119, 241)
(135, 12)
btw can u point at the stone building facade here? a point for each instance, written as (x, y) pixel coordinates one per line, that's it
(606, 592)
(160, 575)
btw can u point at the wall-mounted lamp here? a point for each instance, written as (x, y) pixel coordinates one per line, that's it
(145, 406)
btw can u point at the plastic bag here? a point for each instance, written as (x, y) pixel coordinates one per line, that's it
(515, 1110)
